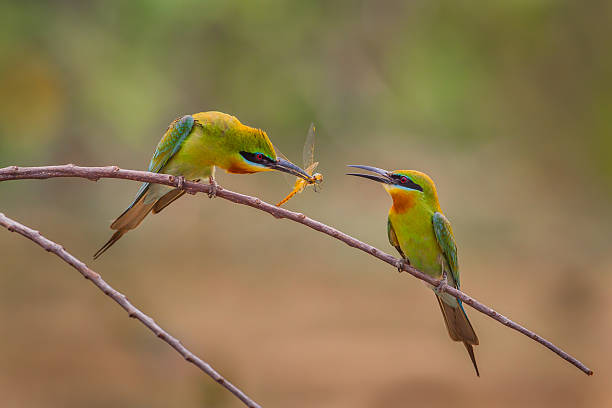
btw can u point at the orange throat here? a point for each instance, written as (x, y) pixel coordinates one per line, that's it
(239, 167)
(402, 201)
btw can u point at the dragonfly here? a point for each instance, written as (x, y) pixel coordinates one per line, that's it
(309, 167)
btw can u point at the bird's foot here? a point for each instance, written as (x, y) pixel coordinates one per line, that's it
(213, 187)
(442, 283)
(180, 182)
(402, 264)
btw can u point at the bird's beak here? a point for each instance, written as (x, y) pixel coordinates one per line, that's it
(287, 167)
(384, 175)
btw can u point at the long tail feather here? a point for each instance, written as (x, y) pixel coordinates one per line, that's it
(109, 243)
(470, 351)
(129, 220)
(133, 216)
(167, 199)
(135, 213)
(459, 328)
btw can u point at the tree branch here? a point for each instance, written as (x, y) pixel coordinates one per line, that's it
(95, 173)
(122, 300)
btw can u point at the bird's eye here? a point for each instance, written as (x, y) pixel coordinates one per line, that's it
(403, 179)
(258, 157)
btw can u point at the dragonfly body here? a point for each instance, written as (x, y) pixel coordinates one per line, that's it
(310, 165)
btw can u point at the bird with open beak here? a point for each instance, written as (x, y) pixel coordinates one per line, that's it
(423, 236)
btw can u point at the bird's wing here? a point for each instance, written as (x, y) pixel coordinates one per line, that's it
(170, 142)
(446, 240)
(167, 147)
(393, 238)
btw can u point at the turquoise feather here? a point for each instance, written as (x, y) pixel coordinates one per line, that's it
(167, 147)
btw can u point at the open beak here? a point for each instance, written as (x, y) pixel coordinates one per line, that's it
(384, 176)
(287, 167)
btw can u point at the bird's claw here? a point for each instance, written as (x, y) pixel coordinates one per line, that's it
(442, 283)
(213, 188)
(180, 182)
(402, 264)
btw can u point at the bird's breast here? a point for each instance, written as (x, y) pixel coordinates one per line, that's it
(416, 237)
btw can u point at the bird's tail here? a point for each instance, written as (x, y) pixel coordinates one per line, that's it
(459, 328)
(130, 219)
(169, 198)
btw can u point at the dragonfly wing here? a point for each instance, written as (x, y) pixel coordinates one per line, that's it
(310, 169)
(308, 152)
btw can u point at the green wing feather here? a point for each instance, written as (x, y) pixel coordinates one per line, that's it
(167, 147)
(446, 240)
(455, 318)
(170, 142)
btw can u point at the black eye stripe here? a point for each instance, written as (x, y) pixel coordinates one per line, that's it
(405, 181)
(259, 158)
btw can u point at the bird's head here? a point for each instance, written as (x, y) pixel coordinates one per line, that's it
(257, 154)
(243, 149)
(405, 187)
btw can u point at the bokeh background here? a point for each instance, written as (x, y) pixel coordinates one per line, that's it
(507, 105)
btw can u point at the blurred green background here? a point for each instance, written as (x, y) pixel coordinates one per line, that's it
(507, 105)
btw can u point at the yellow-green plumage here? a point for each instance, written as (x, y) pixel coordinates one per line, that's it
(414, 218)
(192, 147)
(423, 236)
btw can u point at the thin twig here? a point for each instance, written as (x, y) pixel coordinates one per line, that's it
(122, 300)
(95, 173)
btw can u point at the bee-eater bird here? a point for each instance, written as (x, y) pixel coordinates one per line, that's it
(423, 236)
(191, 148)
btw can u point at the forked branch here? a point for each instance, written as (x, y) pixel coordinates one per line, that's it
(123, 301)
(95, 173)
